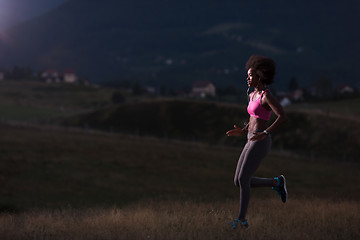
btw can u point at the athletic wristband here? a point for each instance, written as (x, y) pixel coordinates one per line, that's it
(266, 132)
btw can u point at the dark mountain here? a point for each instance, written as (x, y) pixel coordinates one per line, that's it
(175, 42)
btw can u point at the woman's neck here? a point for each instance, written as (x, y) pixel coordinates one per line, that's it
(259, 89)
(259, 86)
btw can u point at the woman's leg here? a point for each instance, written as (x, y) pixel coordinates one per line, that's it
(240, 163)
(249, 161)
(262, 182)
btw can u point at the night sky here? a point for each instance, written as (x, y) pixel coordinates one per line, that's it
(15, 11)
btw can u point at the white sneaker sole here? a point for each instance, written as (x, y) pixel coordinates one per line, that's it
(286, 193)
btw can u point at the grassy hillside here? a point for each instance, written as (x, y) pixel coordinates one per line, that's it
(60, 183)
(327, 129)
(37, 101)
(343, 108)
(329, 133)
(45, 167)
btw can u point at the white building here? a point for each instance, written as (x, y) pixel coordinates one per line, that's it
(70, 76)
(203, 89)
(344, 88)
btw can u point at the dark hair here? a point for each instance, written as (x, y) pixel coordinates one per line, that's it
(264, 67)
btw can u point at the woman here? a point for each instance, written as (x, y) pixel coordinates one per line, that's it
(261, 72)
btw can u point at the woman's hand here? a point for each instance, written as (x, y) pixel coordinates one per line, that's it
(235, 132)
(258, 136)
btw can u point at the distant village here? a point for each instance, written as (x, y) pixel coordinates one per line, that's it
(201, 89)
(48, 76)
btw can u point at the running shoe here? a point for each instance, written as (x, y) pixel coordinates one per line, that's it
(281, 188)
(243, 224)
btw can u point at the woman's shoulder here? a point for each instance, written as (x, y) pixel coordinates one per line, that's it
(266, 93)
(268, 97)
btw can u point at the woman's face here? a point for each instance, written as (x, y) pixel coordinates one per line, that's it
(252, 79)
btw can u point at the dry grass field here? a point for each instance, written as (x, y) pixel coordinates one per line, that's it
(73, 184)
(269, 219)
(65, 183)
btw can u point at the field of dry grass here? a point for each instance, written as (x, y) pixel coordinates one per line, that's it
(268, 219)
(71, 184)
(64, 183)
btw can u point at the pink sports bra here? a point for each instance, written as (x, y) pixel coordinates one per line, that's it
(255, 108)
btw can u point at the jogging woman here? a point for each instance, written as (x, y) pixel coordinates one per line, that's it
(261, 72)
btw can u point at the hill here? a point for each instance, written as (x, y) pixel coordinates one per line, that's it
(314, 133)
(327, 128)
(38, 102)
(177, 42)
(50, 167)
(80, 183)
(59, 182)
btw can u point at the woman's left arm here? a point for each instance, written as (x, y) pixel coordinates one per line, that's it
(275, 106)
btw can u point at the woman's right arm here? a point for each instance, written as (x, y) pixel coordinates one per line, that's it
(237, 131)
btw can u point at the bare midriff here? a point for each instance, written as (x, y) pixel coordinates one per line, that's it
(256, 124)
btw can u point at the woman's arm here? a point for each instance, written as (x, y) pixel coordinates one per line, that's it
(275, 106)
(237, 131)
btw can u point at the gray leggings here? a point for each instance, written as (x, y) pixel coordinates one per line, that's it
(249, 161)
